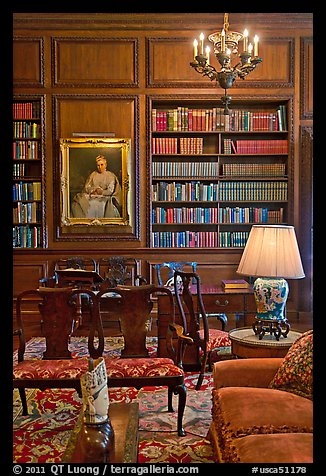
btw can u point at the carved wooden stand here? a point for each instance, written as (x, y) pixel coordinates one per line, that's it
(276, 327)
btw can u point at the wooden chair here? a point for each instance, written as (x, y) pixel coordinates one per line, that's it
(73, 262)
(136, 368)
(195, 320)
(79, 272)
(165, 271)
(57, 368)
(118, 270)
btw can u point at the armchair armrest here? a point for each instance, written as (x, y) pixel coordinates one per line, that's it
(255, 372)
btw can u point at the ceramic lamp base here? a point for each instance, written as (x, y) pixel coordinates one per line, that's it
(270, 296)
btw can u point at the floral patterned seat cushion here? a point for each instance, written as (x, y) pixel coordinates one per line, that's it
(50, 369)
(141, 367)
(295, 372)
(217, 338)
(73, 368)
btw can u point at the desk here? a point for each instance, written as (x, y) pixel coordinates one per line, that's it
(87, 446)
(246, 344)
(216, 300)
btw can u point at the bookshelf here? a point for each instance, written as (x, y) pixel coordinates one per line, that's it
(212, 175)
(28, 173)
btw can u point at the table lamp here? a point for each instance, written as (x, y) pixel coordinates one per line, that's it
(271, 254)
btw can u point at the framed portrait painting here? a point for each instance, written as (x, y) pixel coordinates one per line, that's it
(95, 183)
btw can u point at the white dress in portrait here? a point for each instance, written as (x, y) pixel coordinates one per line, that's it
(85, 205)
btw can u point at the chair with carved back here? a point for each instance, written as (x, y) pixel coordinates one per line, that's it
(187, 291)
(117, 270)
(57, 368)
(165, 271)
(58, 279)
(79, 272)
(136, 367)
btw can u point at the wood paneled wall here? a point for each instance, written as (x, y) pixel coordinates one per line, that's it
(96, 73)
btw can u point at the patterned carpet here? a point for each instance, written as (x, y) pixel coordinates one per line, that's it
(42, 436)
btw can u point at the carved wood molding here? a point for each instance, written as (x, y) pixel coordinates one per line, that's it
(306, 77)
(247, 83)
(82, 84)
(81, 233)
(32, 84)
(166, 21)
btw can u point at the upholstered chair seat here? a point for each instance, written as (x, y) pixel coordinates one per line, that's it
(50, 369)
(141, 367)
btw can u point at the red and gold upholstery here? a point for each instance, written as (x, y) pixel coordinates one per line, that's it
(141, 368)
(50, 369)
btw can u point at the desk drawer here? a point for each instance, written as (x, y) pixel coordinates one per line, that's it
(228, 303)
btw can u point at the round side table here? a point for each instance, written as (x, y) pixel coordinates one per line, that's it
(246, 344)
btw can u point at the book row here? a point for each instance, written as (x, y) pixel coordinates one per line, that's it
(173, 145)
(26, 130)
(253, 191)
(188, 191)
(233, 239)
(255, 170)
(213, 119)
(227, 215)
(250, 215)
(185, 169)
(26, 110)
(23, 149)
(19, 170)
(199, 239)
(27, 191)
(255, 146)
(26, 236)
(27, 212)
(184, 215)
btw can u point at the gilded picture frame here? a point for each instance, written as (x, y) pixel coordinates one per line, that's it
(95, 187)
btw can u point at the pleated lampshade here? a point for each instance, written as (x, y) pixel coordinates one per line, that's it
(271, 251)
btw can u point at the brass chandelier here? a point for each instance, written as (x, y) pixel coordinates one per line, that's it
(226, 50)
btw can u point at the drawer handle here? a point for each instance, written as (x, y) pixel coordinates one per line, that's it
(218, 303)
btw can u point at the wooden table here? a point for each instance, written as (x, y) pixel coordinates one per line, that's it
(246, 344)
(88, 443)
(216, 300)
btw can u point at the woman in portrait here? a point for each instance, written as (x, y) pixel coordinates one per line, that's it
(101, 195)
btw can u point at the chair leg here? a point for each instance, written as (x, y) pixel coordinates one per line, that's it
(170, 395)
(202, 372)
(23, 398)
(182, 392)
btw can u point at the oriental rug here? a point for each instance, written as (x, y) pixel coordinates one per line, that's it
(42, 436)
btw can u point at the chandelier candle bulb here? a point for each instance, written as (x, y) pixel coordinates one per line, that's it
(195, 48)
(245, 40)
(256, 40)
(223, 41)
(207, 50)
(201, 37)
